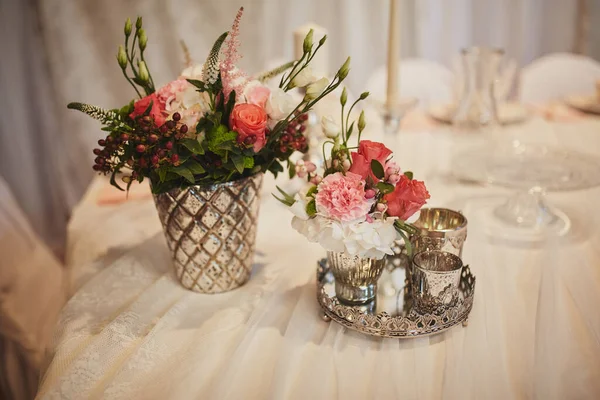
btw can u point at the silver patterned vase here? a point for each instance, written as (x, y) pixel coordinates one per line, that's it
(211, 231)
(355, 277)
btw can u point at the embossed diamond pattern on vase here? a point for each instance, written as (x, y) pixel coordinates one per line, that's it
(211, 231)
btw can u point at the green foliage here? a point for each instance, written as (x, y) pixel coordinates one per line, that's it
(218, 140)
(287, 199)
(311, 208)
(409, 175)
(385, 188)
(377, 169)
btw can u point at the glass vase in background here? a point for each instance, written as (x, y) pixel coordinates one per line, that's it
(477, 109)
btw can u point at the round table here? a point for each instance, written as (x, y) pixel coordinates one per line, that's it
(131, 331)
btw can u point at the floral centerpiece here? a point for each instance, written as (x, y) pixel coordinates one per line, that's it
(358, 207)
(204, 141)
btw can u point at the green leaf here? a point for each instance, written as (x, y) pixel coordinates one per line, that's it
(283, 201)
(184, 172)
(162, 172)
(409, 175)
(248, 162)
(311, 208)
(199, 84)
(407, 243)
(311, 191)
(286, 196)
(192, 145)
(238, 162)
(113, 181)
(291, 169)
(228, 107)
(217, 136)
(275, 167)
(385, 188)
(194, 166)
(377, 169)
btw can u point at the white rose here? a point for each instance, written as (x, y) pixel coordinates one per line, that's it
(316, 88)
(330, 128)
(192, 72)
(304, 77)
(280, 104)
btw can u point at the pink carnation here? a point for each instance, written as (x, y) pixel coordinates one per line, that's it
(167, 93)
(342, 197)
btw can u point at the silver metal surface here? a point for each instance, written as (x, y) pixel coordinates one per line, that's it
(355, 277)
(435, 279)
(211, 231)
(440, 229)
(391, 313)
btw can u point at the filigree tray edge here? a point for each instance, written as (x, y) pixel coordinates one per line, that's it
(406, 327)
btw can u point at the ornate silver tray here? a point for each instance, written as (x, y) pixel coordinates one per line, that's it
(391, 314)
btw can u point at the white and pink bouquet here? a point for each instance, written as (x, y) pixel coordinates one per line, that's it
(360, 203)
(213, 124)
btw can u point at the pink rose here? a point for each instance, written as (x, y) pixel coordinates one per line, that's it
(250, 122)
(407, 198)
(368, 151)
(256, 93)
(157, 111)
(342, 197)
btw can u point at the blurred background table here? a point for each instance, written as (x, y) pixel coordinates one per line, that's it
(131, 331)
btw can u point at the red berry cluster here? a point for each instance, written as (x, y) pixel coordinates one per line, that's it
(293, 137)
(145, 148)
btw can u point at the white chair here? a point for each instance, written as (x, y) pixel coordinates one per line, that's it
(425, 80)
(558, 75)
(31, 294)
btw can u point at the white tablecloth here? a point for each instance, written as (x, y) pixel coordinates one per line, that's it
(131, 331)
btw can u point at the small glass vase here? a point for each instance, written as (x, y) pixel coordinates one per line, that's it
(355, 277)
(477, 107)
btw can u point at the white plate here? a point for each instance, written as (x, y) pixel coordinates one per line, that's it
(508, 113)
(588, 104)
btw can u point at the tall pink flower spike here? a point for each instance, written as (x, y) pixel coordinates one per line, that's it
(231, 77)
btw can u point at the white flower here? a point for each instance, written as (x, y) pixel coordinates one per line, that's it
(316, 88)
(192, 72)
(304, 77)
(299, 207)
(279, 105)
(330, 128)
(191, 105)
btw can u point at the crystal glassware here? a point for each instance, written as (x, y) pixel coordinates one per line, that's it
(477, 107)
(440, 229)
(355, 277)
(435, 278)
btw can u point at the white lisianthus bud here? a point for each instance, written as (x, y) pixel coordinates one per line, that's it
(279, 105)
(344, 97)
(308, 41)
(304, 77)
(344, 69)
(316, 88)
(127, 28)
(138, 23)
(142, 39)
(361, 121)
(143, 73)
(330, 128)
(346, 165)
(122, 57)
